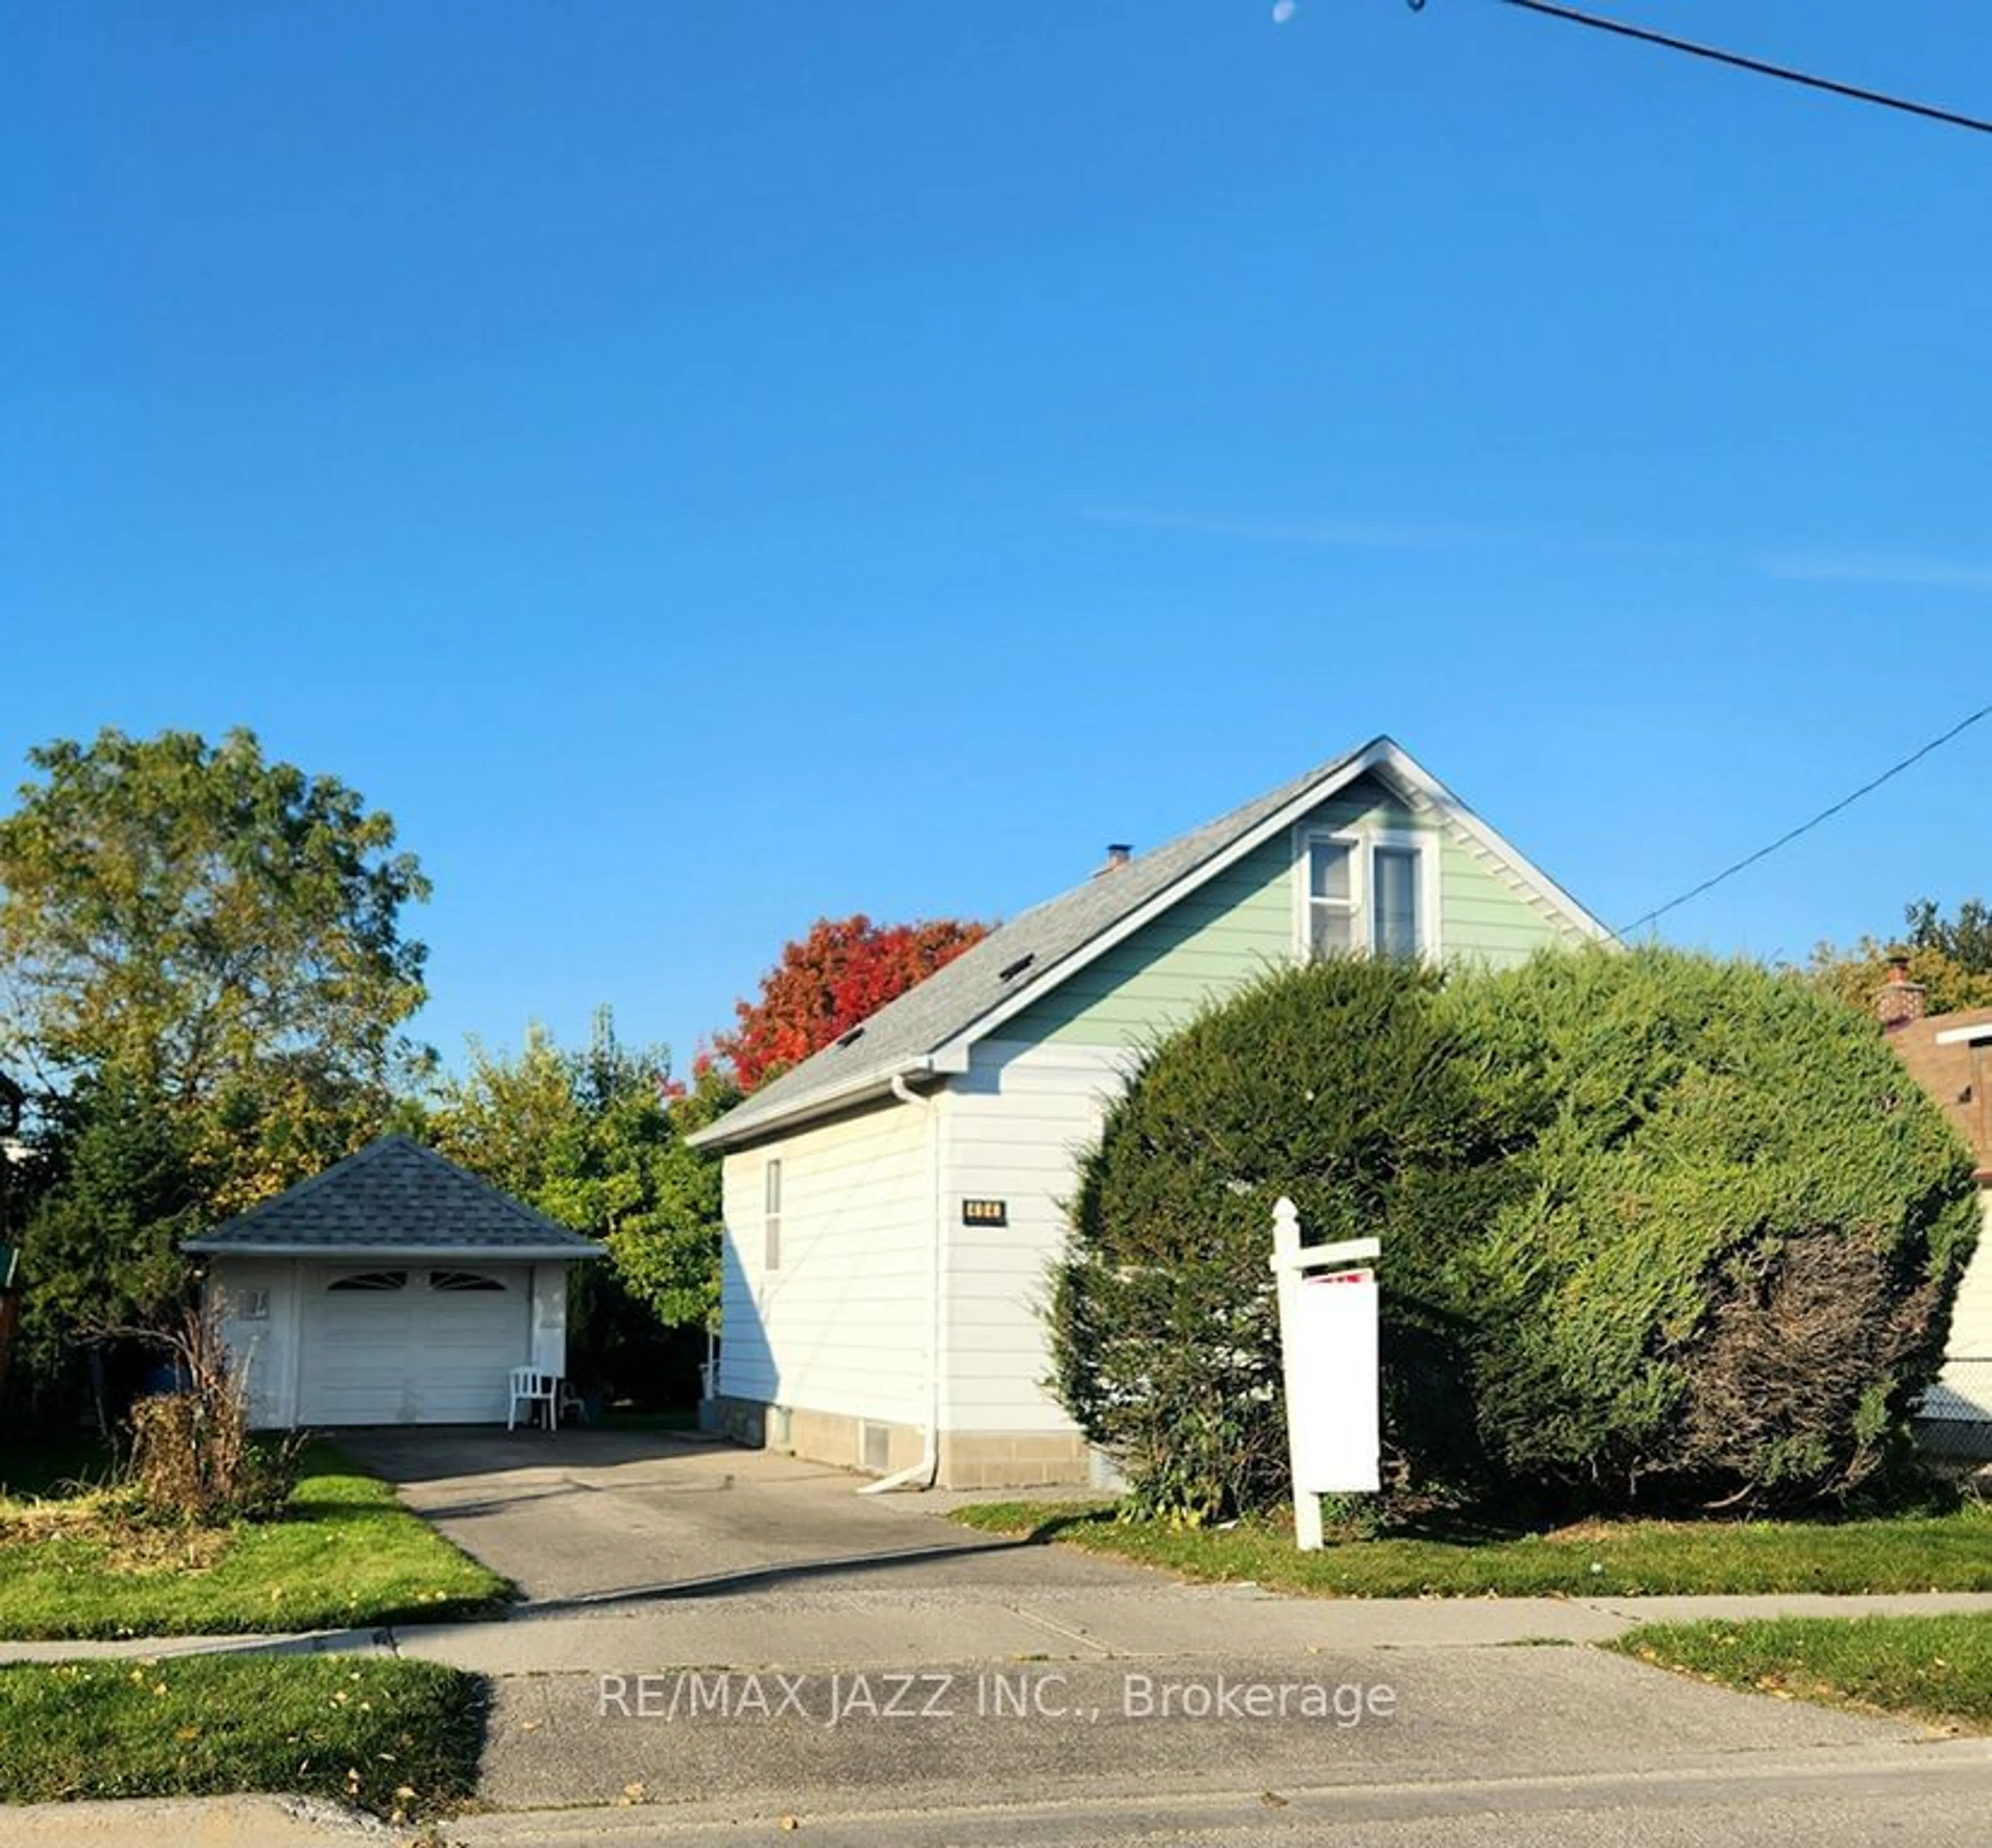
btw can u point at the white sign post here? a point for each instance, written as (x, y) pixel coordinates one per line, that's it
(1327, 1345)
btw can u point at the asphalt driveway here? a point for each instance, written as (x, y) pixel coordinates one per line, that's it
(598, 1516)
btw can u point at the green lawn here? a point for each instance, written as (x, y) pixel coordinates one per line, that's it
(1936, 1668)
(400, 1738)
(1951, 1552)
(345, 1553)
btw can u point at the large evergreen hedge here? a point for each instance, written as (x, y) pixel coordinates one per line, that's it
(1731, 1269)
(1337, 1084)
(1655, 1227)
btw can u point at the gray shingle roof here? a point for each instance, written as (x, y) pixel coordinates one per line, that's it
(395, 1194)
(1026, 953)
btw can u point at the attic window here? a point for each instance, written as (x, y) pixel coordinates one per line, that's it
(463, 1279)
(1010, 970)
(371, 1280)
(1365, 890)
(846, 1039)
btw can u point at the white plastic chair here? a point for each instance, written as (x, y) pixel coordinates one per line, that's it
(532, 1386)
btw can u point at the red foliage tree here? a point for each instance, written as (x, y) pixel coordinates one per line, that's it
(844, 971)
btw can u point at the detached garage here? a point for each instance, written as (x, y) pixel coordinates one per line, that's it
(394, 1288)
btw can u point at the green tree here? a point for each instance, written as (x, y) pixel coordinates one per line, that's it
(594, 1139)
(100, 1251)
(220, 932)
(1951, 957)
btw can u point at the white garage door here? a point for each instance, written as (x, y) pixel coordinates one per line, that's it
(413, 1346)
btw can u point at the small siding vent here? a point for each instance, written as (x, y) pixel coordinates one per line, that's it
(875, 1446)
(1010, 971)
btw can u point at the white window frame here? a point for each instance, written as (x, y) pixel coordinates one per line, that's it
(1363, 840)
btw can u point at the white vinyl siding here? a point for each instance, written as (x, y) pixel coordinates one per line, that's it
(263, 1345)
(1964, 1387)
(843, 1323)
(1014, 1129)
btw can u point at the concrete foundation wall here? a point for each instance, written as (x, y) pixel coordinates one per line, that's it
(968, 1459)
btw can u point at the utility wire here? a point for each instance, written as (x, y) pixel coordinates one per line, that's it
(1762, 67)
(1805, 827)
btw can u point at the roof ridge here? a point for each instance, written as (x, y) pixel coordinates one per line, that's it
(389, 1143)
(1094, 907)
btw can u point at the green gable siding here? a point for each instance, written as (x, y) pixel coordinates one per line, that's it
(1224, 934)
(1242, 923)
(1482, 920)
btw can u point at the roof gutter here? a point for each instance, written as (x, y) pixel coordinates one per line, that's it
(727, 1131)
(482, 1254)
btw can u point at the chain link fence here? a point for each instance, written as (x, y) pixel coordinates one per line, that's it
(1955, 1422)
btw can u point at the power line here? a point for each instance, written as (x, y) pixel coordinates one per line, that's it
(1785, 73)
(1805, 827)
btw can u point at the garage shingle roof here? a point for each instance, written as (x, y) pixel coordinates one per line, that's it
(394, 1193)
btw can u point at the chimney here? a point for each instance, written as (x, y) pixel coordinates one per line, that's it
(1900, 1000)
(1118, 854)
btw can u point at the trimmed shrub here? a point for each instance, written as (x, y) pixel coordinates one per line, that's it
(1333, 1084)
(1656, 1228)
(1730, 1270)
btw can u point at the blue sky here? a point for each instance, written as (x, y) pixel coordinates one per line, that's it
(703, 467)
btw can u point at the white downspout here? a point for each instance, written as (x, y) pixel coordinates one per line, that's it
(924, 1472)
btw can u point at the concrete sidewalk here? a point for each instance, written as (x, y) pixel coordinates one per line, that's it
(858, 1627)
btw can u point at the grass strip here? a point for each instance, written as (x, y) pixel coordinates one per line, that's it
(399, 1738)
(1948, 1552)
(345, 1554)
(1936, 1668)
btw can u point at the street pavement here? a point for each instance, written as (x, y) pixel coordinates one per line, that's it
(720, 1645)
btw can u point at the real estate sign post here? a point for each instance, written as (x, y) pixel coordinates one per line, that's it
(1327, 1346)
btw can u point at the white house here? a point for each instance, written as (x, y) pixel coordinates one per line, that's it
(394, 1288)
(891, 1204)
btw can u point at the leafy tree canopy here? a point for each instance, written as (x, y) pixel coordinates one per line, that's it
(593, 1138)
(219, 932)
(101, 1246)
(1951, 957)
(203, 980)
(845, 970)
